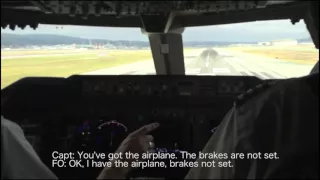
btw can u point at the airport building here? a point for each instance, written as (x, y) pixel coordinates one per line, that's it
(264, 43)
(287, 42)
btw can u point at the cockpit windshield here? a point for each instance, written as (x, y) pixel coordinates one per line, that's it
(265, 49)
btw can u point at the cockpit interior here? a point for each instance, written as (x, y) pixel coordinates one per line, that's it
(96, 112)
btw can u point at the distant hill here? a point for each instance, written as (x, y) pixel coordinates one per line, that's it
(44, 39)
(15, 40)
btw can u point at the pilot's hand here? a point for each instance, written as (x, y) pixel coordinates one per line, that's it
(139, 142)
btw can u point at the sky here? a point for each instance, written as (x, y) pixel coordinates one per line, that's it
(241, 32)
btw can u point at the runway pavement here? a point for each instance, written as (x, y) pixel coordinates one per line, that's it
(220, 62)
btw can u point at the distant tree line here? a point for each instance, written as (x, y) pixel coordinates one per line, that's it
(43, 39)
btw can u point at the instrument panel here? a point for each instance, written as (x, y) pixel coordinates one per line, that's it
(95, 113)
(164, 85)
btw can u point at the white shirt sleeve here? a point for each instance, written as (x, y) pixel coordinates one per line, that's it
(221, 142)
(18, 158)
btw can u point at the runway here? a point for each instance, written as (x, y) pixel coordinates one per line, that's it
(220, 62)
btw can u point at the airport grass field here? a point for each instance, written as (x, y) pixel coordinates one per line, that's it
(301, 54)
(18, 64)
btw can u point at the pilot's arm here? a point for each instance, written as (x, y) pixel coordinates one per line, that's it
(281, 121)
(18, 158)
